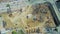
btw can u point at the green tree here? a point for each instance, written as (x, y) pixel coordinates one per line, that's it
(9, 9)
(20, 32)
(14, 32)
(8, 5)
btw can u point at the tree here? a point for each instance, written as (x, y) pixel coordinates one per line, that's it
(8, 5)
(38, 30)
(4, 24)
(14, 32)
(20, 32)
(9, 9)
